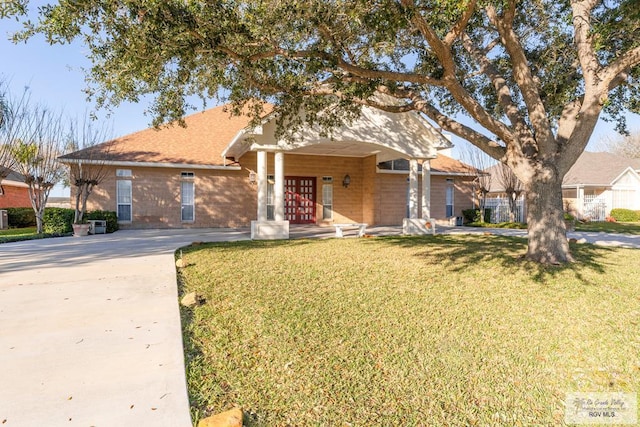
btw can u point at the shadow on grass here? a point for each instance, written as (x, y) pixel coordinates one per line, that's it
(460, 251)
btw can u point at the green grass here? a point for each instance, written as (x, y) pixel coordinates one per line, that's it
(436, 330)
(21, 234)
(610, 227)
(514, 225)
(18, 232)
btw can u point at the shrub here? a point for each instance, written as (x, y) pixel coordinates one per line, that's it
(21, 217)
(473, 215)
(625, 215)
(58, 220)
(110, 216)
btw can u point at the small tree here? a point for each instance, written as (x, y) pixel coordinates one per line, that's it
(33, 136)
(627, 146)
(85, 174)
(479, 162)
(512, 187)
(6, 159)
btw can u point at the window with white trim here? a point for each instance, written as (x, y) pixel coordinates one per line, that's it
(123, 172)
(187, 204)
(124, 200)
(327, 197)
(449, 197)
(271, 197)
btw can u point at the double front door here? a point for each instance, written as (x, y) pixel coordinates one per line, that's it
(300, 200)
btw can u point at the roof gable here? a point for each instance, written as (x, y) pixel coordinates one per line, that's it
(600, 169)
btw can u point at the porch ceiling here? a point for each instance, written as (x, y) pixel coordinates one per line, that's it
(346, 149)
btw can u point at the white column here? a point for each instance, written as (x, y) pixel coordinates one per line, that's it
(580, 201)
(278, 186)
(413, 188)
(426, 189)
(262, 185)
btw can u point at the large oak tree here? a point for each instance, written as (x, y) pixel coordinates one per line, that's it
(534, 75)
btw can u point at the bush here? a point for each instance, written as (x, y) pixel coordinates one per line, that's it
(110, 216)
(58, 220)
(21, 217)
(473, 215)
(625, 215)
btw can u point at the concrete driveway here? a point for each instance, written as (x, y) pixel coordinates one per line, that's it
(90, 330)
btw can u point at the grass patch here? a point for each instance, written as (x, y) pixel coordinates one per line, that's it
(435, 330)
(21, 234)
(513, 225)
(610, 227)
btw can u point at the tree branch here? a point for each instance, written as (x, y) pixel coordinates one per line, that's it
(523, 77)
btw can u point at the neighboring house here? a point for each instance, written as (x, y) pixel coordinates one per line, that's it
(14, 192)
(220, 172)
(600, 182)
(595, 184)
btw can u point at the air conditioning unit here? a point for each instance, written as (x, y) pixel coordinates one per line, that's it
(4, 220)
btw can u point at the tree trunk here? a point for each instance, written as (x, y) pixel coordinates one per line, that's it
(545, 219)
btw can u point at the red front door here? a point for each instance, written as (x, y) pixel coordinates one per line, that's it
(300, 200)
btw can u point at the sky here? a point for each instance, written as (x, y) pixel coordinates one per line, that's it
(54, 76)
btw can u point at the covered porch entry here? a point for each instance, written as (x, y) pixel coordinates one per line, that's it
(325, 180)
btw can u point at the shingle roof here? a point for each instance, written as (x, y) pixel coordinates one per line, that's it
(598, 169)
(445, 164)
(13, 177)
(201, 142)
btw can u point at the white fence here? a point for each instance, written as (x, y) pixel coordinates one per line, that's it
(594, 208)
(500, 209)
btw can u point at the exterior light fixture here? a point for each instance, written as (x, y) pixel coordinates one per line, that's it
(346, 181)
(252, 177)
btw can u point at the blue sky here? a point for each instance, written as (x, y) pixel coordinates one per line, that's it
(55, 77)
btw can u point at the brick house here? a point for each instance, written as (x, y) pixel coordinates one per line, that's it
(382, 169)
(14, 192)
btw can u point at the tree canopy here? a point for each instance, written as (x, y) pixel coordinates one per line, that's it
(534, 75)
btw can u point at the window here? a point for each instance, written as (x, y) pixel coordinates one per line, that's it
(449, 197)
(187, 200)
(187, 175)
(397, 165)
(271, 197)
(123, 196)
(123, 172)
(327, 200)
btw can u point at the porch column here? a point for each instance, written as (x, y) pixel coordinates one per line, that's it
(580, 200)
(278, 186)
(262, 186)
(413, 188)
(426, 189)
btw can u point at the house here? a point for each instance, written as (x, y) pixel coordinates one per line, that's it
(218, 171)
(14, 192)
(600, 182)
(595, 184)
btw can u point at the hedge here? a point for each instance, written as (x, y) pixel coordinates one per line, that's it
(21, 217)
(473, 215)
(57, 220)
(625, 215)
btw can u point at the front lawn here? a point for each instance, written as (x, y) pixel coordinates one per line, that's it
(435, 331)
(18, 234)
(610, 227)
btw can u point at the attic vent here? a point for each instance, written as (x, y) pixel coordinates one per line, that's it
(327, 179)
(187, 175)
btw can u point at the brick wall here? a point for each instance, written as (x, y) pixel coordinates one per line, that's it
(14, 197)
(226, 198)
